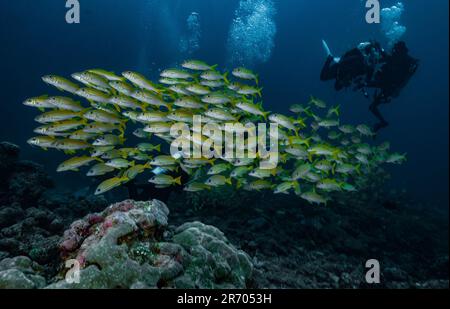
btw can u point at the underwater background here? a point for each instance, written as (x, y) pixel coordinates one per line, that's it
(279, 39)
(147, 36)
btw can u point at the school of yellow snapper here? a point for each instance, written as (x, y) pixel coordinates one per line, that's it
(319, 155)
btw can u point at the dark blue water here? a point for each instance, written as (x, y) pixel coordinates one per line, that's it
(145, 36)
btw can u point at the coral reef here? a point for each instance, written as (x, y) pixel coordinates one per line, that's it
(130, 245)
(32, 215)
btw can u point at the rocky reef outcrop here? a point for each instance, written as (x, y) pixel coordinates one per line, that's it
(130, 245)
(32, 214)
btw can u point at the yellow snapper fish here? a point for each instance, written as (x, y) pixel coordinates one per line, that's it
(216, 99)
(149, 117)
(218, 169)
(147, 147)
(189, 102)
(120, 163)
(173, 81)
(163, 161)
(111, 76)
(249, 90)
(317, 102)
(177, 74)
(329, 185)
(140, 81)
(365, 130)
(100, 128)
(214, 76)
(220, 114)
(127, 102)
(212, 83)
(198, 89)
(136, 170)
(347, 129)
(100, 169)
(44, 142)
(158, 127)
(283, 121)
(92, 94)
(74, 164)
(108, 140)
(56, 116)
(110, 184)
(179, 89)
(48, 130)
(165, 180)
(102, 116)
(41, 102)
(65, 103)
(197, 65)
(70, 145)
(218, 181)
(122, 87)
(254, 109)
(92, 80)
(285, 187)
(149, 98)
(260, 185)
(81, 135)
(181, 116)
(240, 171)
(314, 198)
(196, 187)
(246, 74)
(61, 83)
(62, 126)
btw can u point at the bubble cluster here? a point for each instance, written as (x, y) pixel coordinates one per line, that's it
(191, 41)
(390, 24)
(252, 33)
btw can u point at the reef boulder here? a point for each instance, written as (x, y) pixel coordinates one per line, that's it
(130, 245)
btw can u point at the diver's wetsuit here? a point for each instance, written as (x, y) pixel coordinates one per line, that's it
(369, 66)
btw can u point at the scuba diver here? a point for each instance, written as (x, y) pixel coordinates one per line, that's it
(369, 66)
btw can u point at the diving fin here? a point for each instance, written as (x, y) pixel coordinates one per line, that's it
(328, 52)
(326, 48)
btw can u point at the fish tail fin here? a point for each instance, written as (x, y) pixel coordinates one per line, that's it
(147, 165)
(297, 188)
(358, 169)
(225, 78)
(177, 181)
(133, 163)
(158, 148)
(337, 110)
(239, 184)
(257, 79)
(229, 181)
(266, 115)
(211, 161)
(213, 67)
(259, 92)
